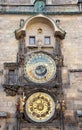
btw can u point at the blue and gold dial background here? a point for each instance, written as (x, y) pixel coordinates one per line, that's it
(40, 67)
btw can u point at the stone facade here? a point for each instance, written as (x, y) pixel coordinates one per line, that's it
(56, 2)
(71, 50)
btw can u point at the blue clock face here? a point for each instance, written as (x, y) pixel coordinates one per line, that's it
(40, 67)
(39, 5)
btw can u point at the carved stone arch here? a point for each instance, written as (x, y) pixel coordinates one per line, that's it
(58, 32)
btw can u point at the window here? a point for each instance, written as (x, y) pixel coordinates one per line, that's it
(47, 40)
(80, 5)
(32, 40)
(11, 76)
(79, 0)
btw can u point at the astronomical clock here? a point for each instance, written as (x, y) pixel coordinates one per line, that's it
(40, 103)
(36, 78)
(40, 67)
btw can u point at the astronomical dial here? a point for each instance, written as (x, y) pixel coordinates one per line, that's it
(40, 67)
(40, 107)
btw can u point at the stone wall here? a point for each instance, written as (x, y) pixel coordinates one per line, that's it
(71, 45)
(71, 50)
(28, 2)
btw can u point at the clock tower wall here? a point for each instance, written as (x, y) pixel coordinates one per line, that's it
(68, 45)
(71, 50)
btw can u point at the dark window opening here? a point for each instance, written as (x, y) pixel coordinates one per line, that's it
(79, 1)
(11, 76)
(80, 5)
(47, 40)
(32, 40)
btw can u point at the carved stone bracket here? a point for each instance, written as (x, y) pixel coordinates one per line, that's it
(10, 65)
(10, 90)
